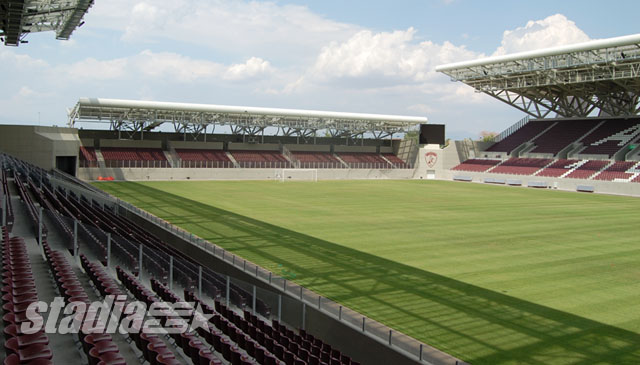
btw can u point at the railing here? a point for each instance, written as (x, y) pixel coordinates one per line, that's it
(137, 164)
(291, 157)
(509, 131)
(400, 342)
(205, 164)
(87, 163)
(252, 165)
(295, 296)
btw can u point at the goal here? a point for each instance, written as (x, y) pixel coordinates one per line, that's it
(297, 175)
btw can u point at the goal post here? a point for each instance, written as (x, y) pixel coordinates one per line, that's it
(297, 175)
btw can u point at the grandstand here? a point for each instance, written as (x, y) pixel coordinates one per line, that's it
(121, 258)
(582, 104)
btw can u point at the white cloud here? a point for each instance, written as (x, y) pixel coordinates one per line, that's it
(554, 30)
(172, 66)
(420, 108)
(243, 28)
(384, 59)
(254, 67)
(93, 69)
(166, 66)
(26, 92)
(264, 53)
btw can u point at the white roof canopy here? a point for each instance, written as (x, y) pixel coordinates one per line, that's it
(597, 77)
(242, 119)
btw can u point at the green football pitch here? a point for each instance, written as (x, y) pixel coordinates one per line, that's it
(489, 274)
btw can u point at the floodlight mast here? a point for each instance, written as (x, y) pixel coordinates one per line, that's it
(598, 77)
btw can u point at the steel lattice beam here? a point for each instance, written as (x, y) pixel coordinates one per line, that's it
(193, 118)
(580, 80)
(21, 17)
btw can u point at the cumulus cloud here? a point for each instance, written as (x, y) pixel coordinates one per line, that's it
(165, 66)
(173, 66)
(254, 67)
(93, 69)
(554, 30)
(382, 59)
(265, 28)
(266, 53)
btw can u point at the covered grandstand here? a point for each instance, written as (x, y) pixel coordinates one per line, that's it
(182, 137)
(582, 103)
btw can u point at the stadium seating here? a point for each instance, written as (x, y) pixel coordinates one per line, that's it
(558, 168)
(588, 169)
(313, 160)
(521, 166)
(134, 157)
(4, 192)
(617, 171)
(522, 135)
(203, 158)
(597, 144)
(396, 161)
(476, 165)
(18, 292)
(363, 160)
(260, 159)
(87, 157)
(561, 135)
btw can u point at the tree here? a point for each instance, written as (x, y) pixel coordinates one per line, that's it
(486, 136)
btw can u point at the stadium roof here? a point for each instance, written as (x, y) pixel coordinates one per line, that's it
(142, 116)
(600, 77)
(21, 17)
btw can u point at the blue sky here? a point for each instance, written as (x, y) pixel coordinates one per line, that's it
(358, 56)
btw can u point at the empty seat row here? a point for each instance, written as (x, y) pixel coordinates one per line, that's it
(597, 136)
(564, 168)
(134, 157)
(87, 157)
(4, 193)
(477, 165)
(98, 346)
(18, 293)
(521, 166)
(189, 342)
(194, 158)
(618, 170)
(363, 160)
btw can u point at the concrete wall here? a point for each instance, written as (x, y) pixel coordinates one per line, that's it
(197, 145)
(127, 143)
(308, 148)
(355, 149)
(430, 162)
(87, 142)
(150, 174)
(254, 146)
(604, 187)
(406, 150)
(39, 145)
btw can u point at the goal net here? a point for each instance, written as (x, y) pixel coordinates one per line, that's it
(297, 175)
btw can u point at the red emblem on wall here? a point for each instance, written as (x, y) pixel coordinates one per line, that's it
(431, 158)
